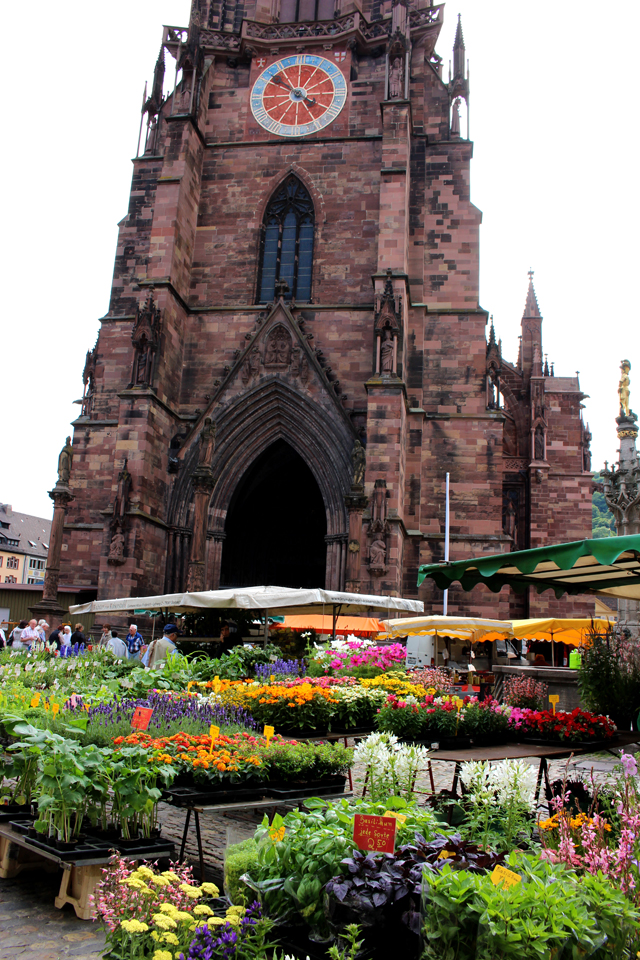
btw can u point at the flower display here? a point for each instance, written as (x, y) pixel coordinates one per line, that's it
(351, 654)
(302, 706)
(574, 727)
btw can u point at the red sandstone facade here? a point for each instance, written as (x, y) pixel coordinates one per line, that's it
(291, 385)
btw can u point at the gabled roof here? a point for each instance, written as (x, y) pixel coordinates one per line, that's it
(32, 533)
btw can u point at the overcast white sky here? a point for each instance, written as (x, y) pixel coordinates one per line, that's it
(555, 172)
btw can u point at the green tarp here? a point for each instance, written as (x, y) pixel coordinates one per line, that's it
(609, 566)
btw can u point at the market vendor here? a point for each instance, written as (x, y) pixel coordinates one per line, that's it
(158, 650)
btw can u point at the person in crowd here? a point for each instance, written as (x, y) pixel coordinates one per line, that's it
(66, 635)
(158, 650)
(29, 635)
(55, 640)
(105, 636)
(3, 638)
(78, 634)
(134, 642)
(116, 646)
(41, 629)
(16, 635)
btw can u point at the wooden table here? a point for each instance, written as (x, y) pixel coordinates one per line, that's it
(79, 877)
(545, 752)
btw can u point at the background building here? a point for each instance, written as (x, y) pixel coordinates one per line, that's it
(24, 543)
(295, 353)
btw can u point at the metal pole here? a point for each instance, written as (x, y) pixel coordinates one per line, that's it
(266, 627)
(445, 597)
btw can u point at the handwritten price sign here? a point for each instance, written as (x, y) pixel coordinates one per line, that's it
(553, 699)
(505, 878)
(268, 732)
(141, 718)
(375, 833)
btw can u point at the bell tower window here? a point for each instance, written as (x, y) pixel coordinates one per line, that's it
(287, 242)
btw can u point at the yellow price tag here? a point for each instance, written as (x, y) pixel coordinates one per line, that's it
(55, 708)
(216, 685)
(214, 733)
(189, 685)
(459, 703)
(400, 817)
(268, 733)
(505, 877)
(553, 699)
(35, 700)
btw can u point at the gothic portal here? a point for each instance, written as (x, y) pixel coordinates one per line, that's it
(295, 353)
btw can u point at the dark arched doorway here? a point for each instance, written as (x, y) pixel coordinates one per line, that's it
(276, 524)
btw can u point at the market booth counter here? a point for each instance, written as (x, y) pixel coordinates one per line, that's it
(562, 681)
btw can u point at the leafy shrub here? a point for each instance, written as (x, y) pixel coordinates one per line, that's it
(609, 677)
(240, 859)
(551, 913)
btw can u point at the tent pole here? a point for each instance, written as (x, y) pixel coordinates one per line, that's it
(266, 628)
(553, 653)
(445, 596)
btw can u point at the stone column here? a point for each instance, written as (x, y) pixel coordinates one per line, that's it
(356, 503)
(48, 608)
(203, 483)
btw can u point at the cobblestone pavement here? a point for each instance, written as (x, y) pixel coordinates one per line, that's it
(33, 929)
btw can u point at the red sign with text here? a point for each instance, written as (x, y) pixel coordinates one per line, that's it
(375, 833)
(141, 717)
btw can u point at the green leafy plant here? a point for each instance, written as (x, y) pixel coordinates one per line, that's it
(240, 858)
(609, 676)
(550, 913)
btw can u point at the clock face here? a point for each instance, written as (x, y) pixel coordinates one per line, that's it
(298, 95)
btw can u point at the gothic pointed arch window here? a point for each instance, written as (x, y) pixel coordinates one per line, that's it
(286, 249)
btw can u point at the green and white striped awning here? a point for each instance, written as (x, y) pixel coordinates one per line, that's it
(610, 566)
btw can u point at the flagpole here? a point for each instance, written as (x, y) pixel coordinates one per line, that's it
(445, 596)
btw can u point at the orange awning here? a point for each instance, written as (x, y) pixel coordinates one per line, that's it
(359, 626)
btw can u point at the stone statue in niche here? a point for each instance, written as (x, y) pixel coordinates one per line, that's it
(455, 118)
(510, 520)
(122, 493)
(377, 553)
(278, 349)
(65, 462)
(207, 443)
(116, 548)
(304, 369)
(379, 504)
(358, 464)
(538, 444)
(396, 79)
(387, 350)
(141, 364)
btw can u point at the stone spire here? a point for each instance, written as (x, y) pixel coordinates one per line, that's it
(531, 334)
(459, 53)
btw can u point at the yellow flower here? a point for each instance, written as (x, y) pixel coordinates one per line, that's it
(233, 919)
(202, 910)
(134, 926)
(163, 955)
(211, 889)
(155, 936)
(168, 908)
(160, 881)
(216, 922)
(237, 910)
(182, 916)
(170, 938)
(164, 922)
(144, 872)
(170, 875)
(192, 892)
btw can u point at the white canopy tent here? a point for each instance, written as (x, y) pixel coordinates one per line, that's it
(282, 599)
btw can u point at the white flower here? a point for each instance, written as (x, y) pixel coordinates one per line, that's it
(515, 783)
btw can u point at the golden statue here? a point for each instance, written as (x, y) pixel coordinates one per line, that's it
(623, 387)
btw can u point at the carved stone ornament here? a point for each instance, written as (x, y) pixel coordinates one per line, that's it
(624, 388)
(354, 546)
(278, 347)
(358, 464)
(116, 544)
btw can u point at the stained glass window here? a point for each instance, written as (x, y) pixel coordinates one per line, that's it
(287, 242)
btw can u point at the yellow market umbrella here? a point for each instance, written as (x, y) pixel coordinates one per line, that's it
(473, 629)
(573, 632)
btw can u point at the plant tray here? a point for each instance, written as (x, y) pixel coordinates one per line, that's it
(15, 811)
(445, 743)
(594, 744)
(352, 731)
(148, 849)
(321, 788)
(190, 796)
(86, 850)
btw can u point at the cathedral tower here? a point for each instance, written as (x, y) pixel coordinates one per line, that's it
(295, 353)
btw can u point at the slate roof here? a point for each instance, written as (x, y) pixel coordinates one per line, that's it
(32, 533)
